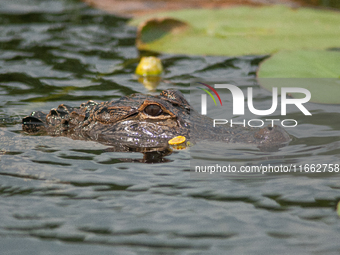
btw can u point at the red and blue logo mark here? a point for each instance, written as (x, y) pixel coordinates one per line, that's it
(209, 93)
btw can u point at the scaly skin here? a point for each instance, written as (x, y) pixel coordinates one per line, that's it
(144, 121)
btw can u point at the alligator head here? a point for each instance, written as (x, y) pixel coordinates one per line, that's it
(144, 121)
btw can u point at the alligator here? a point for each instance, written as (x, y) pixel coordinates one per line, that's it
(140, 122)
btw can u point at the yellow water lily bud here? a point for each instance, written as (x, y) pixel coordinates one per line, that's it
(177, 140)
(149, 66)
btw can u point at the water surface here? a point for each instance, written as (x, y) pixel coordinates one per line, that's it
(59, 195)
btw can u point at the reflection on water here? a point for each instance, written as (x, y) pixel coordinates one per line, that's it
(58, 194)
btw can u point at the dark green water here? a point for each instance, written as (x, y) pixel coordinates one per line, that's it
(325, 3)
(60, 196)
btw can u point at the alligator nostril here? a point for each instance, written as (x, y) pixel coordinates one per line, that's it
(54, 112)
(270, 128)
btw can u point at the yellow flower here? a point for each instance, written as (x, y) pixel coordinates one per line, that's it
(177, 140)
(149, 66)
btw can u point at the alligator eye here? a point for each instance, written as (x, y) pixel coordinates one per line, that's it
(153, 110)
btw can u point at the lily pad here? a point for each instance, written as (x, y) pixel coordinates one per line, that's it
(240, 30)
(317, 71)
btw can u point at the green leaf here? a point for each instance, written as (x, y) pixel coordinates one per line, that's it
(240, 30)
(317, 71)
(302, 64)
